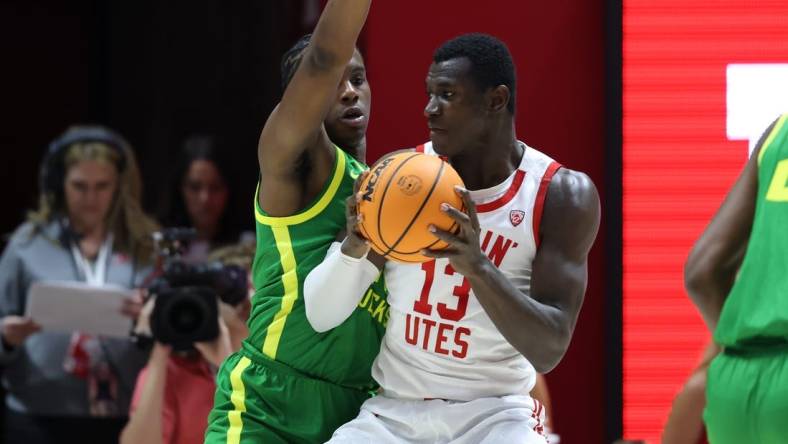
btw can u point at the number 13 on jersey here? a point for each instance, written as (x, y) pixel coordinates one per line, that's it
(440, 337)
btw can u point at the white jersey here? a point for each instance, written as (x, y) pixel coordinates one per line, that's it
(439, 341)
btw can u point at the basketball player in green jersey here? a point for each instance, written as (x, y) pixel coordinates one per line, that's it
(737, 275)
(290, 384)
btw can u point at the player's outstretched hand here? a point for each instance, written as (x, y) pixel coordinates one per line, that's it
(355, 245)
(463, 251)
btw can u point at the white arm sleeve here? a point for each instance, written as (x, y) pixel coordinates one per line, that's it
(333, 289)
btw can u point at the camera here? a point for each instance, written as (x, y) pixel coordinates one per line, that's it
(186, 307)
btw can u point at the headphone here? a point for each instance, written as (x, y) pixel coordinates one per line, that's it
(53, 170)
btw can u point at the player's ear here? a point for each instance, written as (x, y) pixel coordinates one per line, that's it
(498, 99)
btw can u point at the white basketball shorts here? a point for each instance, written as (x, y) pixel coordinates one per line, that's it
(509, 419)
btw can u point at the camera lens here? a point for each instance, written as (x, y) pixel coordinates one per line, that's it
(186, 316)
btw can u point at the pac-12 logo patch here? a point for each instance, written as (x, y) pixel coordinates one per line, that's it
(516, 217)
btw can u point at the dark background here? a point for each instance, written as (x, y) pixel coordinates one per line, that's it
(157, 71)
(154, 71)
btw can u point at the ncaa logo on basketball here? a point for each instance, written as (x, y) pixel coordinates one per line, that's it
(409, 185)
(516, 217)
(370, 189)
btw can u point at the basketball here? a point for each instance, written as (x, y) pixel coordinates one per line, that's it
(401, 198)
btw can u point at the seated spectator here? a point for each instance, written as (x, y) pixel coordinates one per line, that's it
(174, 393)
(200, 197)
(89, 227)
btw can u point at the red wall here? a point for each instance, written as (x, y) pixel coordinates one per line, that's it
(559, 51)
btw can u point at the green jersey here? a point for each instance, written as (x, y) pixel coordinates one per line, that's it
(756, 309)
(288, 248)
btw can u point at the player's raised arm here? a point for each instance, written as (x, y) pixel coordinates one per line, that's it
(714, 260)
(296, 122)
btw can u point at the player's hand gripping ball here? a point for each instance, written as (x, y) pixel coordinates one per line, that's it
(400, 198)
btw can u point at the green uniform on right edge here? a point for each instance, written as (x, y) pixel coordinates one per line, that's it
(290, 384)
(747, 384)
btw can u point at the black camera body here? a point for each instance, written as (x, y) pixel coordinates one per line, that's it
(186, 308)
(185, 315)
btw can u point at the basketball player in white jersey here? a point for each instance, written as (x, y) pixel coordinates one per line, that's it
(468, 331)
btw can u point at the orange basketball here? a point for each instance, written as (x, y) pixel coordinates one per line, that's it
(401, 198)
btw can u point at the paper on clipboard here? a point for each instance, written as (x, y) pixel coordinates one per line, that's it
(76, 306)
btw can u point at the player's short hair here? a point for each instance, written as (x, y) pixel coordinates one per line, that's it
(491, 61)
(292, 59)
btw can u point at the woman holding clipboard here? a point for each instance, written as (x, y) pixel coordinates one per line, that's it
(89, 228)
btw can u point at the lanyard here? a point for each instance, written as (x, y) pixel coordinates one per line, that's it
(98, 276)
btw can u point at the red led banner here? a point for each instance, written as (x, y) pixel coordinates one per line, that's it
(700, 79)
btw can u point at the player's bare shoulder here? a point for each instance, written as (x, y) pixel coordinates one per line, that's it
(572, 208)
(573, 189)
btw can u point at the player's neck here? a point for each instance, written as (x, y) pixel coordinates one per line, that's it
(358, 150)
(490, 160)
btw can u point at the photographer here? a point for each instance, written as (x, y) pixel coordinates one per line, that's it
(89, 228)
(174, 393)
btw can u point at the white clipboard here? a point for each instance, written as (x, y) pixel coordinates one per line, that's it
(62, 306)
